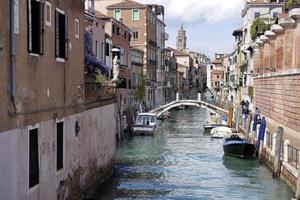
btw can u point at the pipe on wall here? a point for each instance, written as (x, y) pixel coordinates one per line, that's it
(12, 53)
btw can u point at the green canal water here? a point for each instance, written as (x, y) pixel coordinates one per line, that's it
(182, 162)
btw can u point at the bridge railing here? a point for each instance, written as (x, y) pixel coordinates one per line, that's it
(188, 96)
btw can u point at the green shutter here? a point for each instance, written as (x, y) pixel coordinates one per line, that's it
(118, 14)
(135, 15)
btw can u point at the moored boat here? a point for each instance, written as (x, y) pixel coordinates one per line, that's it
(220, 132)
(165, 115)
(238, 147)
(182, 107)
(145, 124)
(214, 121)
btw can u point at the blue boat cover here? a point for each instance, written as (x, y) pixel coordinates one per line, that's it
(261, 134)
(255, 121)
(236, 142)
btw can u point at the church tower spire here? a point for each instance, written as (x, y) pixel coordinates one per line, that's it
(181, 39)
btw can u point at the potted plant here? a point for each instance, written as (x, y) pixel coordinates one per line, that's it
(290, 4)
(258, 28)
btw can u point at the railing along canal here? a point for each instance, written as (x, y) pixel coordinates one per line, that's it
(293, 156)
(96, 92)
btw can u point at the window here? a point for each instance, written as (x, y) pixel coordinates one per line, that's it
(33, 158)
(98, 50)
(61, 34)
(135, 35)
(102, 50)
(35, 27)
(118, 30)
(117, 14)
(256, 15)
(107, 49)
(218, 76)
(77, 28)
(48, 13)
(135, 15)
(113, 29)
(125, 34)
(59, 145)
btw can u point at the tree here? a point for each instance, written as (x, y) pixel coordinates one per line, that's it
(289, 4)
(258, 27)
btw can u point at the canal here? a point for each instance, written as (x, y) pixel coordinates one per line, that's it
(182, 162)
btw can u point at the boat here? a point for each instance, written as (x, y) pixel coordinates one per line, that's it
(220, 132)
(145, 124)
(165, 115)
(238, 147)
(182, 107)
(214, 121)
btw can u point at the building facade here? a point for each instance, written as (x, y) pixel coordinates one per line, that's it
(142, 21)
(171, 74)
(53, 144)
(267, 11)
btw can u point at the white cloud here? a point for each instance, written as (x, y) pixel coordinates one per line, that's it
(210, 11)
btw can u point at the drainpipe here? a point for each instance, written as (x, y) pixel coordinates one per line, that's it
(12, 53)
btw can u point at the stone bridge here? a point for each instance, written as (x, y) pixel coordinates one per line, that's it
(189, 102)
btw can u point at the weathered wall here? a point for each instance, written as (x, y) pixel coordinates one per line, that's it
(278, 98)
(5, 102)
(44, 85)
(87, 158)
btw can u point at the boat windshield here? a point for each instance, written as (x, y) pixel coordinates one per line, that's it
(145, 120)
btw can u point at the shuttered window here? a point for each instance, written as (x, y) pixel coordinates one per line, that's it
(61, 35)
(118, 14)
(33, 158)
(59, 145)
(35, 27)
(135, 15)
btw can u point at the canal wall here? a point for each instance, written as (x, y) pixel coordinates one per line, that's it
(89, 147)
(277, 93)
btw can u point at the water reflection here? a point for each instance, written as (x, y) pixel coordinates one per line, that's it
(181, 162)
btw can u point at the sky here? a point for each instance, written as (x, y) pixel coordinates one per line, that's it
(209, 23)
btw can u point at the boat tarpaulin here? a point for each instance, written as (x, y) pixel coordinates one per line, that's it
(261, 133)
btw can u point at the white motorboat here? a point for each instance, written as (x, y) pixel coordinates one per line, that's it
(221, 132)
(214, 121)
(165, 115)
(145, 124)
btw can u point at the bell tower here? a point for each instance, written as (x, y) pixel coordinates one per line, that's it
(181, 39)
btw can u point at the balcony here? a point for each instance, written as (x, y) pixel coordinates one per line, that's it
(98, 95)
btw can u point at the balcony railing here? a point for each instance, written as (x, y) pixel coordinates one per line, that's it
(293, 156)
(95, 92)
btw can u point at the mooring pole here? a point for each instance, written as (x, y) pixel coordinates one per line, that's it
(230, 117)
(277, 164)
(237, 119)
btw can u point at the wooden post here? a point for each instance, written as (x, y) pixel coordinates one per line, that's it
(199, 96)
(230, 117)
(297, 195)
(248, 126)
(277, 164)
(237, 120)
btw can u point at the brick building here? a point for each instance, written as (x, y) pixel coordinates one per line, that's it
(120, 35)
(142, 20)
(276, 86)
(47, 128)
